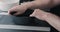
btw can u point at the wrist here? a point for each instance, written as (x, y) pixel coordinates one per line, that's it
(45, 16)
(56, 2)
(49, 16)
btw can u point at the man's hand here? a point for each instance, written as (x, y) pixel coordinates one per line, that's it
(20, 9)
(40, 14)
(17, 10)
(52, 19)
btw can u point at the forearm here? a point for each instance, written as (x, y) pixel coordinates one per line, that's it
(48, 17)
(36, 3)
(53, 20)
(56, 2)
(41, 3)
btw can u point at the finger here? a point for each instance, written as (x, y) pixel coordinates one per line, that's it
(40, 14)
(12, 10)
(33, 14)
(15, 8)
(37, 12)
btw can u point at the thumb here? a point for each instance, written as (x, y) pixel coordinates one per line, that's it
(31, 15)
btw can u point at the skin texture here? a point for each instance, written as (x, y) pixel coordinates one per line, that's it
(40, 14)
(28, 5)
(50, 18)
(19, 9)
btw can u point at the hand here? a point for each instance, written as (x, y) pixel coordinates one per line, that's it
(40, 14)
(17, 10)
